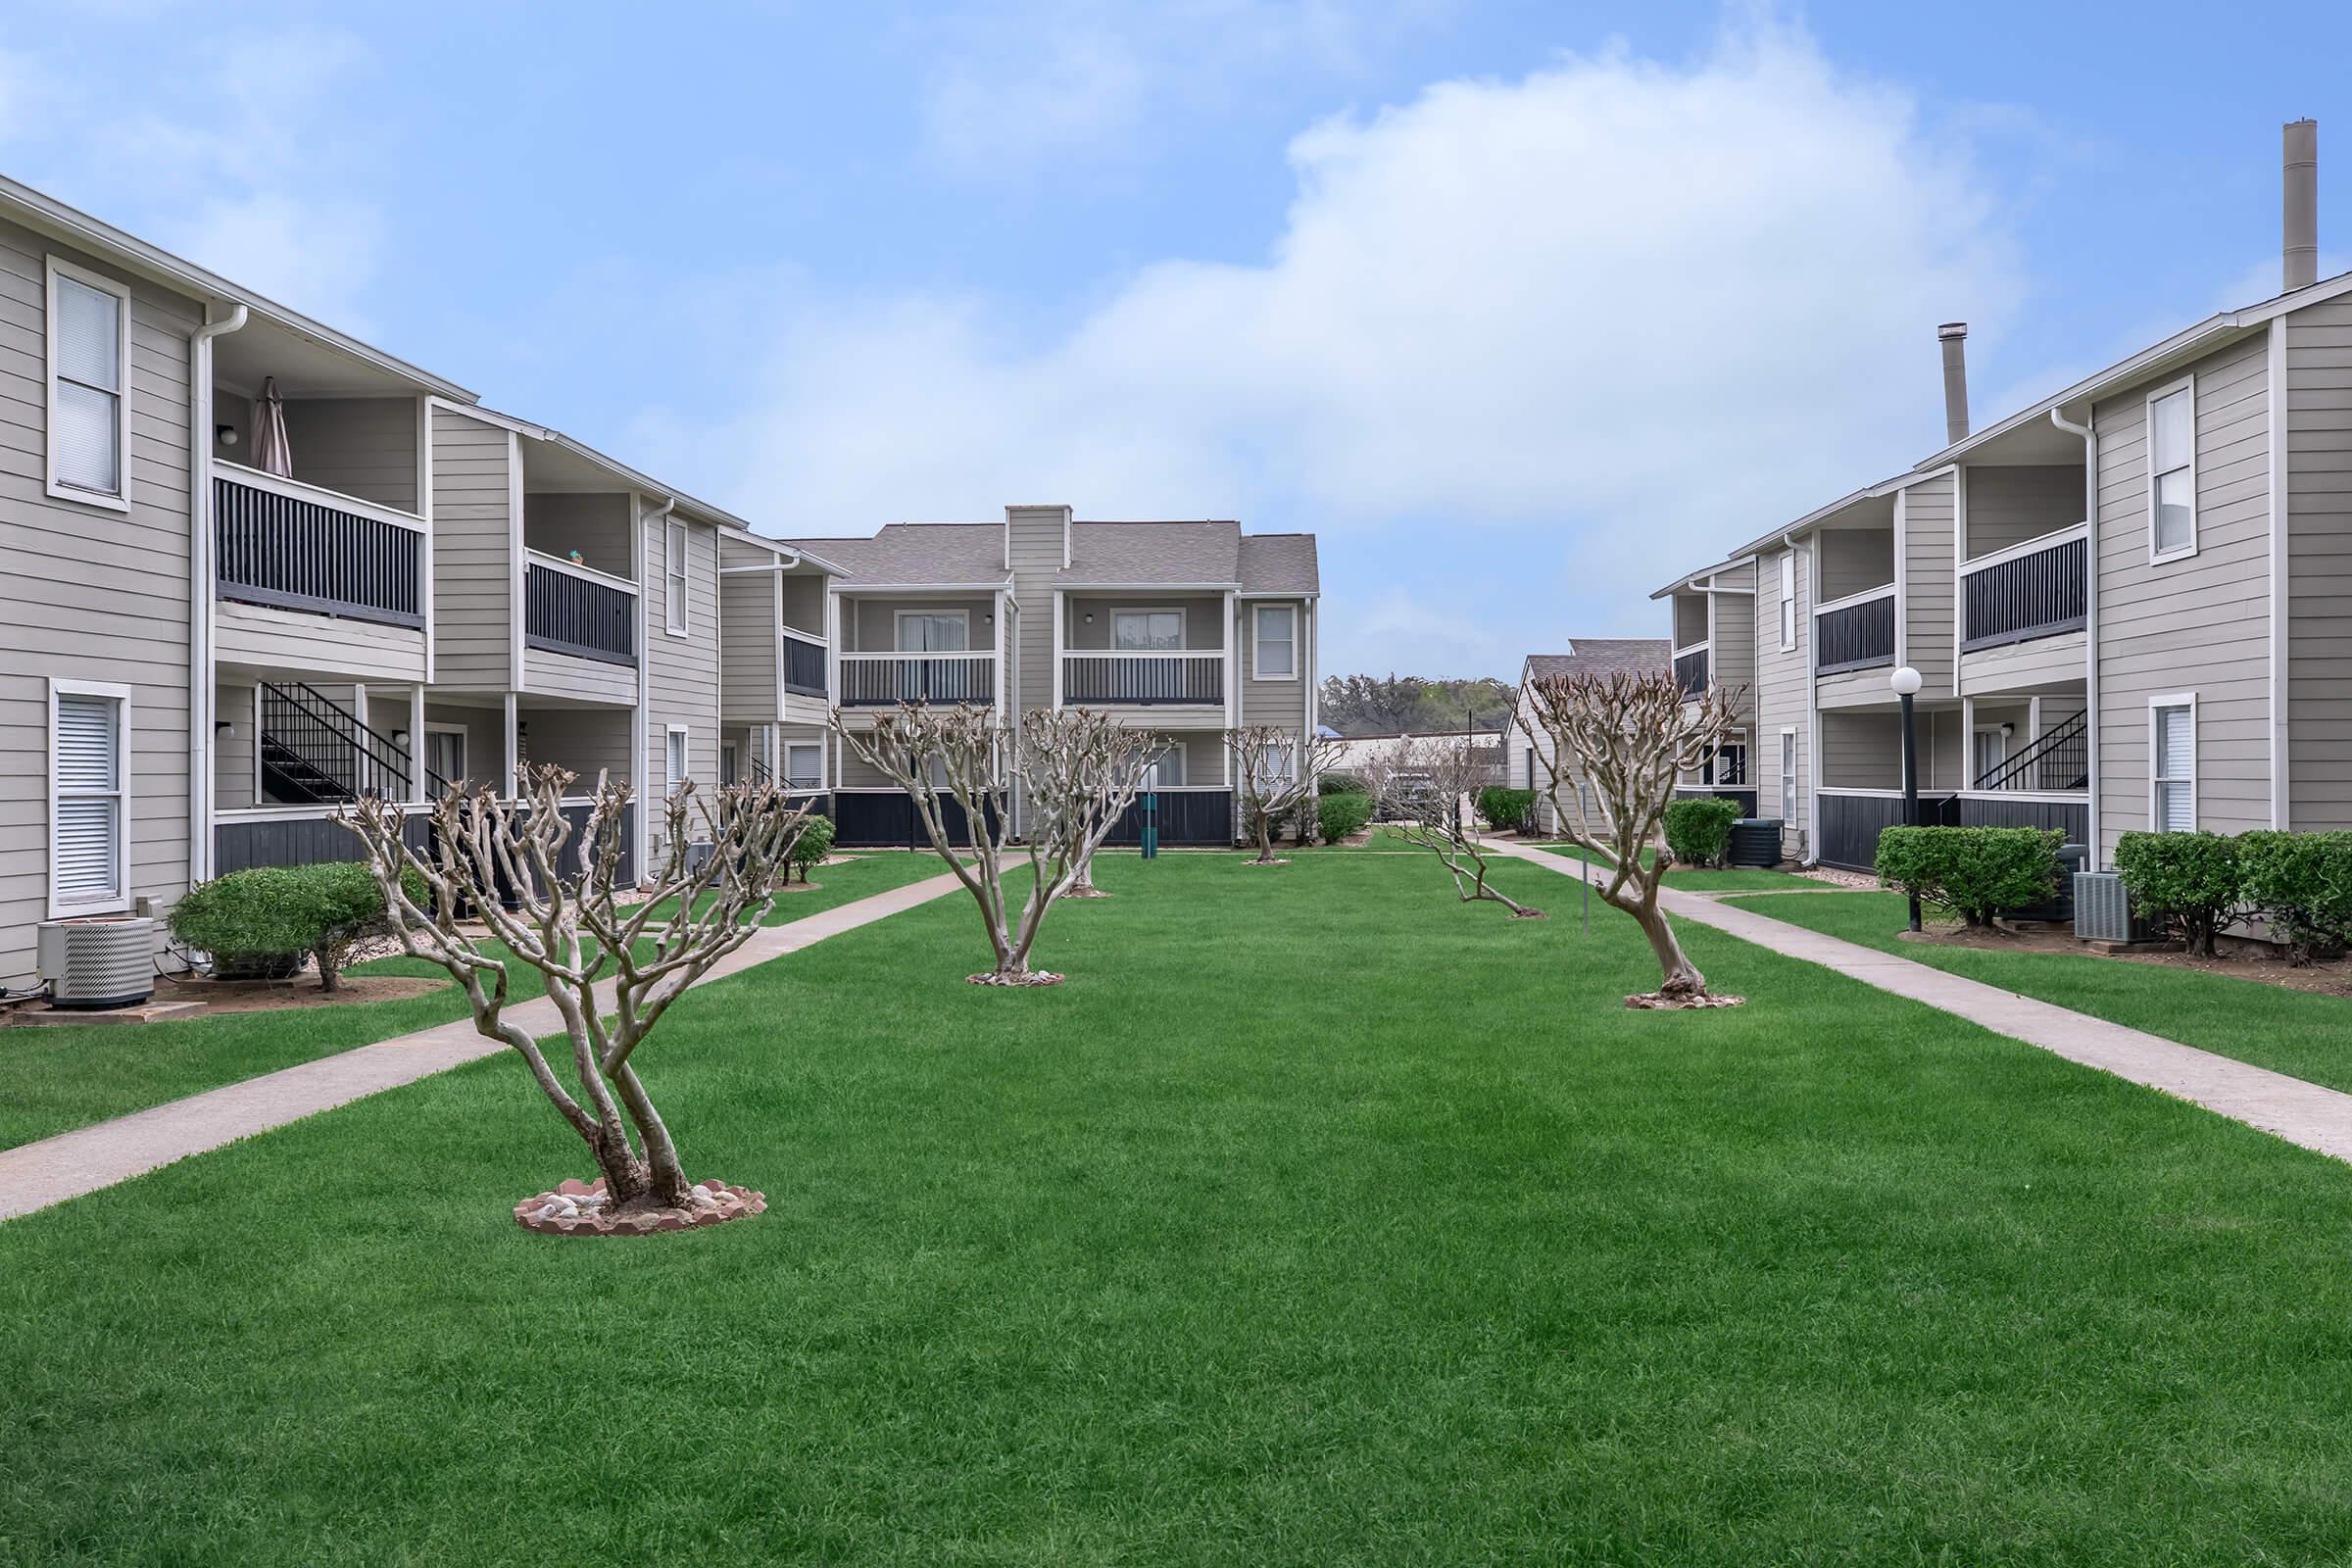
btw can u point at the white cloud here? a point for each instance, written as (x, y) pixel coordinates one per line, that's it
(1618, 314)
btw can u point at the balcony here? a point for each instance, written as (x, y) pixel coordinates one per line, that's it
(1856, 632)
(1143, 679)
(2040, 588)
(879, 680)
(576, 610)
(804, 662)
(1691, 669)
(295, 546)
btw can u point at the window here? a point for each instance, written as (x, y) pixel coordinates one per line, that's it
(1788, 775)
(2173, 744)
(89, 371)
(2173, 473)
(445, 753)
(1276, 654)
(1147, 632)
(803, 766)
(1992, 750)
(1274, 768)
(934, 631)
(728, 765)
(1730, 762)
(675, 772)
(1787, 600)
(1167, 770)
(674, 584)
(88, 810)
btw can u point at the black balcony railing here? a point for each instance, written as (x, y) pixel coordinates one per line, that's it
(2059, 761)
(869, 680)
(565, 612)
(1142, 678)
(1691, 671)
(1855, 636)
(296, 554)
(804, 666)
(2040, 593)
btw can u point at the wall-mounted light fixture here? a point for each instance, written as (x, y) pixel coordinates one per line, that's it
(225, 434)
(1090, 617)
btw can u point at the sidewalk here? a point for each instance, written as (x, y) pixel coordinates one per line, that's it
(2317, 1118)
(36, 1175)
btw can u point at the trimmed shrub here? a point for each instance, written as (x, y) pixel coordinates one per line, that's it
(1975, 872)
(2302, 883)
(260, 924)
(1698, 828)
(1507, 810)
(2193, 882)
(811, 848)
(1341, 817)
(1343, 784)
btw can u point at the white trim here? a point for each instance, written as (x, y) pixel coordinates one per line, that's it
(2281, 752)
(2156, 705)
(516, 560)
(677, 585)
(682, 735)
(1787, 759)
(1883, 591)
(319, 495)
(2044, 797)
(2027, 547)
(118, 499)
(1061, 612)
(1258, 613)
(572, 569)
(907, 590)
(2147, 450)
(898, 635)
(424, 514)
(120, 899)
(1902, 592)
(1876, 795)
(1959, 554)
(1785, 592)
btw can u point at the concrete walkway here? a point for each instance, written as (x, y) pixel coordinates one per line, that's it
(38, 1174)
(2317, 1118)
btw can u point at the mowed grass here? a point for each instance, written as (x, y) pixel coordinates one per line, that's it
(1735, 879)
(60, 1078)
(1317, 1219)
(2302, 1033)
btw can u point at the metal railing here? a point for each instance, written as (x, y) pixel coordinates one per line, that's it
(320, 752)
(1856, 633)
(1142, 677)
(1691, 671)
(804, 662)
(2059, 761)
(293, 545)
(569, 609)
(2037, 589)
(871, 680)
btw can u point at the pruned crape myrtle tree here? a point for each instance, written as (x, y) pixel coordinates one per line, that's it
(1275, 772)
(1078, 772)
(1626, 738)
(1448, 825)
(554, 901)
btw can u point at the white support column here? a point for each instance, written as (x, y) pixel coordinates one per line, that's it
(1968, 743)
(416, 743)
(362, 769)
(1061, 622)
(510, 743)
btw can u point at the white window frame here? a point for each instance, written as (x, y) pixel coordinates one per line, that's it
(1155, 779)
(2000, 745)
(118, 499)
(898, 630)
(2157, 706)
(730, 763)
(677, 745)
(1183, 631)
(435, 727)
(678, 581)
(1787, 627)
(815, 775)
(1747, 761)
(1257, 616)
(120, 900)
(1790, 752)
(2189, 384)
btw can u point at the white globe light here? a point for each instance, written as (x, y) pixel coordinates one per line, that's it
(1905, 681)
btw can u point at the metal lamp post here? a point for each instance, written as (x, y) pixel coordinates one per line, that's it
(1906, 683)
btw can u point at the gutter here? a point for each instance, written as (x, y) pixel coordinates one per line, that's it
(201, 684)
(2089, 431)
(640, 736)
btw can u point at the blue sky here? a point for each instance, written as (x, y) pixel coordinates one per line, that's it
(1522, 307)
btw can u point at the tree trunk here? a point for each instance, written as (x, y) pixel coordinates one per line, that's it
(666, 1181)
(1681, 976)
(625, 1175)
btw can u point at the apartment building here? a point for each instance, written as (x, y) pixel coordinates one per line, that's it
(1527, 752)
(2125, 603)
(1189, 628)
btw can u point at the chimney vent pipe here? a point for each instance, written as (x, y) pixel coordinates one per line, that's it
(2299, 172)
(1954, 335)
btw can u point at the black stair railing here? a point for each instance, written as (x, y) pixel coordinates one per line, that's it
(2062, 754)
(321, 753)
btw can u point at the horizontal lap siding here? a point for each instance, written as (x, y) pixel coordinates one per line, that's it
(1732, 645)
(1929, 646)
(1035, 545)
(2041, 661)
(291, 643)
(472, 564)
(2008, 506)
(748, 640)
(2318, 504)
(2199, 624)
(364, 447)
(1272, 702)
(1783, 695)
(682, 671)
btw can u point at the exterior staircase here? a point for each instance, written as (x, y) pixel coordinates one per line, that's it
(314, 752)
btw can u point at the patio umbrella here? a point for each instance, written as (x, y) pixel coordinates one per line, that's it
(270, 452)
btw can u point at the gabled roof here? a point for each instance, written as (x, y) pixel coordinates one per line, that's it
(913, 553)
(1209, 554)
(1601, 655)
(1280, 563)
(1125, 554)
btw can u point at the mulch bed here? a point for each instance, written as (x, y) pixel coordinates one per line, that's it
(276, 995)
(578, 1209)
(2248, 961)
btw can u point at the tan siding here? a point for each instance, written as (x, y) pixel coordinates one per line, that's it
(683, 671)
(1204, 618)
(2199, 624)
(547, 673)
(2008, 506)
(596, 524)
(871, 625)
(1271, 701)
(232, 747)
(1732, 645)
(315, 647)
(2015, 666)
(1927, 586)
(472, 564)
(585, 740)
(1784, 694)
(1854, 560)
(364, 447)
(1034, 543)
(2319, 500)
(748, 690)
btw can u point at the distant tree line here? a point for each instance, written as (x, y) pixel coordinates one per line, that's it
(1404, 704)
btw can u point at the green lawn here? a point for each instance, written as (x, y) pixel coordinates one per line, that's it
(1735, 879)
(1317, 1219)
(71, 1076)
(2297, 1032)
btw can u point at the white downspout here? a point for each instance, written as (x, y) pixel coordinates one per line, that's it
(200, 588)
(640, 735)
(2089, 434)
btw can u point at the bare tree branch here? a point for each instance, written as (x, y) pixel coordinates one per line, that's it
(1274, 772)
(1448, 824)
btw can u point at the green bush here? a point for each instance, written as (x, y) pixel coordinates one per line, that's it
(2302, 883)
(1341, 817)
(1698, 828)
(814, 843)
(1975, 872)
(1343, 784)
(2193, 881)
(261, 923)
(1507, 810)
